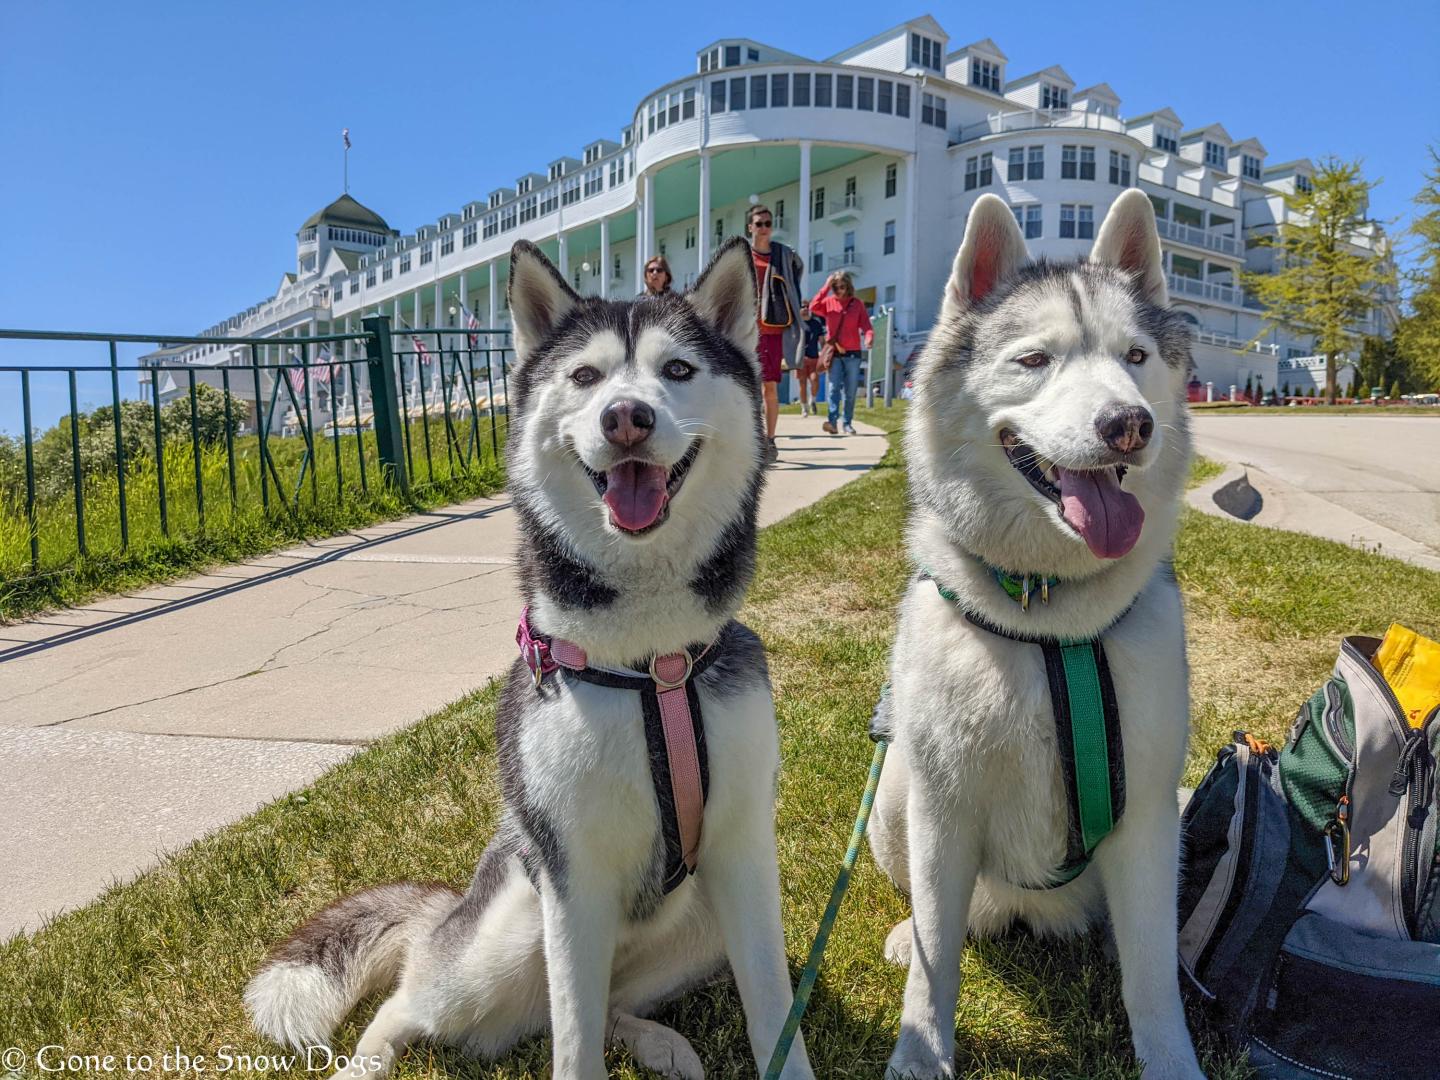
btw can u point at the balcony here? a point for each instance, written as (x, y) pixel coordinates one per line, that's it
(844, 209)
(1204, 290)
(846, 260)
(1000, 123)
(1234, 344)
(1188, 234)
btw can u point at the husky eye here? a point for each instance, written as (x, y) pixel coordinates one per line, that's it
(678, 370)
(1136, 355)
(584, 375)
(1033, 359)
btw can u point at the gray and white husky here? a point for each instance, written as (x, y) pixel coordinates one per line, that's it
(635, 453)
(1048, 437)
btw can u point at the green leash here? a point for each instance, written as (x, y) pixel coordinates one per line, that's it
(827, 922)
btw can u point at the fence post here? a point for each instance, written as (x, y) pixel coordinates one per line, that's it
(380, 359)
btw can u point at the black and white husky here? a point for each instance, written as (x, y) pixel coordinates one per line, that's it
(635, 453)
(1047, 437)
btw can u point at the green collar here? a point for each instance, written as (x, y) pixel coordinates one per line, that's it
(1018, 588)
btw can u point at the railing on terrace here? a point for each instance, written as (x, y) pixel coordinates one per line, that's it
(151, 471)
(1188, 234)
(1026, 119)
(1206, 290)
(1234, 344)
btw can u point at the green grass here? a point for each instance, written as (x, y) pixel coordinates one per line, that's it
(162, 961)
(313, 506)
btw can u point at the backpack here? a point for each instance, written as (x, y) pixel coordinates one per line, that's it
(1308, 916)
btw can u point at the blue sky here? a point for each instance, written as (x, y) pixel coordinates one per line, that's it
(159, 157)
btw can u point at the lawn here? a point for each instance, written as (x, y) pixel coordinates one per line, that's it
(161, 962)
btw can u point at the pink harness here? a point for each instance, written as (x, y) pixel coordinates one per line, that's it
(674, 731)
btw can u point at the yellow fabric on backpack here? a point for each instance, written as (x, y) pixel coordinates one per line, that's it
(1411, 665)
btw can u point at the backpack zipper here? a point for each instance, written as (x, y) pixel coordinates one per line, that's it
(1334, 725)
(1415, 778)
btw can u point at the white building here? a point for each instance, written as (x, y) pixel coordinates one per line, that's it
(870, 160)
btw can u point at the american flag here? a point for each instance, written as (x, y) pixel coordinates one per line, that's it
(346, 136)
(471, 323)
(296, 375)
(421, 350)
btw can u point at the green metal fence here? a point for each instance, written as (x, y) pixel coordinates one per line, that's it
(287, 424)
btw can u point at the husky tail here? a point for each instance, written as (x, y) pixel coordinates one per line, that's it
(353, 947)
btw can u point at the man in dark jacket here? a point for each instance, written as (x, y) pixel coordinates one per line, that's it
(814, 327)
(777, 281)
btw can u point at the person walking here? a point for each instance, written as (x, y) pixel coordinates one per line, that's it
(657, 278)
(814, 328)
(777, 282)
(846, 322)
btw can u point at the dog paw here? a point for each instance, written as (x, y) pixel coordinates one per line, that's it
(897, 944)
(659, 1048)
(916, 1058)
(1170, 1064)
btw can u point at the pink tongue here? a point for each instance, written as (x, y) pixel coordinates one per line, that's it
(635, 493)
(1108, 517)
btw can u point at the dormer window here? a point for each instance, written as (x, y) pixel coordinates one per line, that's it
(1054, 97)
(495, 201)
(1167, 139)
(985, 74)
(1302, 184)
(1214, 155)
(752, 56)
(522, 187)
(925, 52)
(1250, 167)
(732, 55)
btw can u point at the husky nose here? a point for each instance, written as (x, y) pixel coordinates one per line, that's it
(1126, 429)
(627, 423)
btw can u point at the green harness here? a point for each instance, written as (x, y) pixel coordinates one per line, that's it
(1087, 735)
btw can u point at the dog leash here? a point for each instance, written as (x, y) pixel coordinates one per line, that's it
(827, 921)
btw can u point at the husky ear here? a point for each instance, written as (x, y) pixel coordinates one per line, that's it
(991, 251)
(1128, 240)
(724, 295)
(539, 298)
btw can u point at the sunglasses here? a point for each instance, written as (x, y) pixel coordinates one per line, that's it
(654, 269)
(763, 224)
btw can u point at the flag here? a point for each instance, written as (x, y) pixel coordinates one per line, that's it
(346, 136)
(296, 375)
(471, 323)
(420, 350)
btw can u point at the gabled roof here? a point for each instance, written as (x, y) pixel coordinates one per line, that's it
(346, 211)
(1100, 92)
(1055, 73)
(923, 25)
(1162, 116)
(1252, 144)
(985, 47)
(338, 261)
(1213, 132)
(1284, 168)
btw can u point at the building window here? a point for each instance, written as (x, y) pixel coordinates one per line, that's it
(902, 99)
(865, 93)
(1028, 217)
(495, 200)
(570, 190)
(1086, 223)
(844, 91)
(817, 204)
(387, 271)
(1069, 163)
(690, 231)
(1087, 163)
(779, 91)
(719, 232)
(847, 250)
(1162, 206)
(752, 55)
(594, 182)
(1303, 184)
(1119, 168)
(673, 111)
(354, 285)
(885, 101)
(447, 244)
(985, 75)
(1035, 163)
(556, 171)
(467, 235)
(1250, 167)
(732, 55)
(507, 218)
(615, 270)
(891, 174)
(662, 247)
(491, 226)
(1016, 169)
(889, 248)
(549, 200)
(717, 95)
(817, 256)
(405, 263)
(370, 279)
(759, 84)
(779, 214)
(737, 94)
(1077, 222)
(802, 89)
(427, 253)
(522, 186)
(1214, 155)
(925, 52)
(1167, 139)
(932, 110)
(822, 91)
(1054, 97)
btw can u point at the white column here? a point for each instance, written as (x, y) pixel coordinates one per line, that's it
(604, 258)
(493, 316)
(564, 255)
(802, 235)
(703, 237)
(639, 244)
(649, 230)
(905, 302)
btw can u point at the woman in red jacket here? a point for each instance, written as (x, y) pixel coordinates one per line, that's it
(846, 321)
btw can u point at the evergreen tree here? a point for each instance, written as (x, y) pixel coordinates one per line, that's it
(1324, 280)
(1249, 393)
(1418, 334)
(1395, 390)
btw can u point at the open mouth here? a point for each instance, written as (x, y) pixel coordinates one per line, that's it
(638, 493)
(1091, 501)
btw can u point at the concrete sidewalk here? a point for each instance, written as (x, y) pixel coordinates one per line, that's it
(137, 724)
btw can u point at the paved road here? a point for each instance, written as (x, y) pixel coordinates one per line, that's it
(137, 724)
(1373, 481)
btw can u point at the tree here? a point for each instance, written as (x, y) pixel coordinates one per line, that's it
(1249, 389)
(1259, 390)
(1286, 392)
(1328, 266)
(1418, 334)
(1395, 390)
